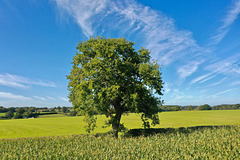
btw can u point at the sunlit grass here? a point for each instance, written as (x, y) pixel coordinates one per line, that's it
(60, 126)
(51, 116)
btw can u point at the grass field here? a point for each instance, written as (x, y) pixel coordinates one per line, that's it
(51, 116)
(2, 114)
(203, 143)
(59, 126)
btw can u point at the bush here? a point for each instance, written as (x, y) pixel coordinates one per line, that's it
(18, 115)
(170, 108)
(9, 114)
(204, 107)
(73, 113)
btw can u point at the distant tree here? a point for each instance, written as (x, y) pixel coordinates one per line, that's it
(20, 110)
(226, 106)
(3, 110)
(12, 109)
(28, 113)
(51, 109)
(112, 77)
(64, 109)
(59, 108)
(169, 108)
(204, 107)
(19, 113)
(190, 108)
(177, 108)
(9, 114)
(73, 113)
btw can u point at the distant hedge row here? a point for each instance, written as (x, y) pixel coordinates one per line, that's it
(165, 108)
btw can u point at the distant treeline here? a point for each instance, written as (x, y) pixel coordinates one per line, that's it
(29, 112)
(165, 108)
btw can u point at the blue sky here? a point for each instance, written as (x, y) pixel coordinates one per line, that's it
(196, 42)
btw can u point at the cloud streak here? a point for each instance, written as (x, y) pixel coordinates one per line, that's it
(201, 78)
(17, 81)
(219, 93)
(228, 20)
(218, 82)
(152, 28)
(188, 69)
(227, 66)
(41, 98)
(6, 95)
(64, 99)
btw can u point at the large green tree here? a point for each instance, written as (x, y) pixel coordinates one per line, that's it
(111, 77)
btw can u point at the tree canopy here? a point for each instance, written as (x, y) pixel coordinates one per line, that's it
(204, 107)
(111, 77)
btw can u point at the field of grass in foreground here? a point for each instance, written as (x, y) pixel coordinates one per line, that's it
(203, 143)
(59, 126)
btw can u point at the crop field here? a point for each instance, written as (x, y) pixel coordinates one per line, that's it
(203, 143)
(63, 125)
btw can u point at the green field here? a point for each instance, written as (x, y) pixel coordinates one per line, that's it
(51, 116)
(2, 114)
(203, 143)
(59, 126)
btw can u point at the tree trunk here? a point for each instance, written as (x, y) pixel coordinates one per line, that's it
(116, 122)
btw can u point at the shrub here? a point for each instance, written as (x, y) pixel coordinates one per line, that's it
(204, 107)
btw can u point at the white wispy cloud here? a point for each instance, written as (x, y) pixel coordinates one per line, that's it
(188, 69)
(201, 78)
(41, 98)
(153, 29)
(64, 99)
(235, 83)
(227, 21)
(167, 87)
(218, 82)
(177, 95)
(7, 95)
(208, 78)
(51, 98)
(227, 66)
(17, 81)
(216, 94)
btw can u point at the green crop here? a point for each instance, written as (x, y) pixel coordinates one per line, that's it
(208, 143)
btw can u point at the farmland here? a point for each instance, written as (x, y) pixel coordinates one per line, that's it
(208, 143)
(59, 125)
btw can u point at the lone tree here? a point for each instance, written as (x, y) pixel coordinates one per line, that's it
(109, 76)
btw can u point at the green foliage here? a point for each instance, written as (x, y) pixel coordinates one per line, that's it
(9, 114)
(109, 76)
(19, 113)
(73, 113)
(204, 107)
(28, 114)
(169, 108)
(190, 108)
(64, 109)
(210, 143)
(3, 110)
(226, 106)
